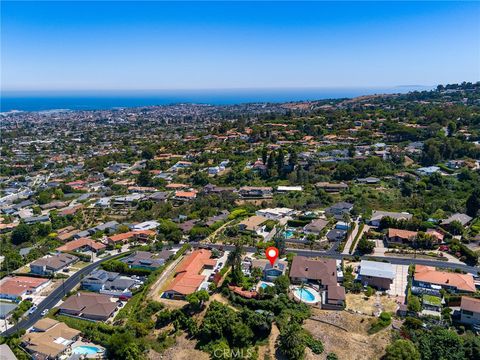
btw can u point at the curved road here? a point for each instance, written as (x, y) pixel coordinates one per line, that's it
(56, 295)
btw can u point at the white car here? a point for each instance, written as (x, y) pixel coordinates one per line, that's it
(44, 312)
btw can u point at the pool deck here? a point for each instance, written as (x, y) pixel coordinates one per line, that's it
(99, 355)
(315, 293)
(259, 285)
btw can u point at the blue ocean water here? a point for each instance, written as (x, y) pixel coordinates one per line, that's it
(96, 100)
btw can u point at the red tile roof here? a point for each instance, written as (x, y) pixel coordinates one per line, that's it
(19, 285)
(130, 234)
(470, 304)
(431, 275)
(402, 234)
(188, 278)
(76, 244)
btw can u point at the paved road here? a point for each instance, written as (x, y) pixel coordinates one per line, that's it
(56, 295)
(475, 270)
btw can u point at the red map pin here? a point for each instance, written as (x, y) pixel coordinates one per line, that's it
(272, 254)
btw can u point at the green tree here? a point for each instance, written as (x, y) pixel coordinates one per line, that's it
(292, 341)
(440, 344)
(332, 356)
(402, 350)
(473, 203)
(144, 178)
(282, 283)
(22, 233)
(197, 299)
(414, 304)
(123, 345)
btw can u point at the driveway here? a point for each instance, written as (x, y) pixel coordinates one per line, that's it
(399, 284)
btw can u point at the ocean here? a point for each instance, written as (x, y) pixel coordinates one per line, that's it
(96, 100)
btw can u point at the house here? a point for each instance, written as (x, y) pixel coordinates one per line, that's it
(428, 280)
(210, 188)
(146, 225)
(455, 164)
(463, 219)
(146, 260)
(399, 236)
(50, 340)
(270, 273)
(185, 195)
(368, 180)
(127, 201)
(470, 311)
(52, 264)
(6, 353)
(14, 287)
(110, 283)
(432, 305)
(253, 223)
(92, 306)
(338, 210)
(255, 192)
(6, 309)
(334, 298)
(36, 219)
(139, 235)
(82, 244)
(379, 275)
(159, 197)
(377, 216)
(220, 217)
(284, 189)
(96, 280)
(436, 234)
(321, 273)
(336, 235)
(429, 170)
(332, 187)
(275, 213)
(315, 227)
(188, 277)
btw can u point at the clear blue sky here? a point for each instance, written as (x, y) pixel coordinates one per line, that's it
(78, 45)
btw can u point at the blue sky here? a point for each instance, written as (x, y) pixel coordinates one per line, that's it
(78, 45)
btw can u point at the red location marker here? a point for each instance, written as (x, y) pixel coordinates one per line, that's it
(272, 254)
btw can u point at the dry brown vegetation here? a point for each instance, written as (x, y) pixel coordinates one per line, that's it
(353, 344)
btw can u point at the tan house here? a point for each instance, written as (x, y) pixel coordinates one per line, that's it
(253, 223)
(470, 311)
(50, 339)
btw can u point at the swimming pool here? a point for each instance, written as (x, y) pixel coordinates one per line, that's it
(86, 350)
(288, 234)
(264, 285)
(307, 295)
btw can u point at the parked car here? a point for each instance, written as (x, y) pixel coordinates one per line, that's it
(32, 310)
(45, 312)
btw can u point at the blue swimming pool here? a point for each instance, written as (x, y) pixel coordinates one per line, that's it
(288, 234)
(86, 350)
(305, 295)
(264, 285)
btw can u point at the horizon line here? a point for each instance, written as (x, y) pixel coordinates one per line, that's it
(219, 88)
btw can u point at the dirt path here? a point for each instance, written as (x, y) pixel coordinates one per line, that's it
(157, 287)
(268, 350)
(211, 237)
